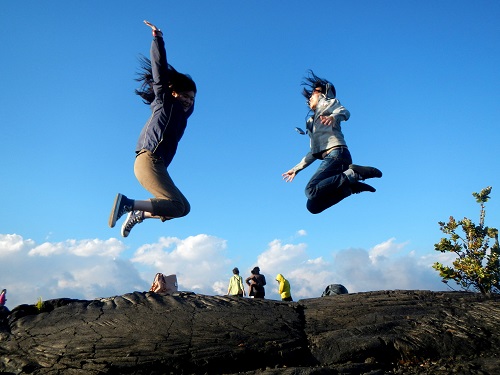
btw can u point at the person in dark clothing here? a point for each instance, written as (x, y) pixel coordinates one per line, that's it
(171, 96)
(256, 282)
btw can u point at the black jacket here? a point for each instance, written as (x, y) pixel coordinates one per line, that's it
(260, 281)
(164, 129)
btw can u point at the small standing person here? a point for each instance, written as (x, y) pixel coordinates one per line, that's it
(284, 288)
(235, 287)
(336, 177)
(171, 96)
(256, 281)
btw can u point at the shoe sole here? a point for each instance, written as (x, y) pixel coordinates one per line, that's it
(377, 173)
(114, 210)
(364, 191)
(370, 189)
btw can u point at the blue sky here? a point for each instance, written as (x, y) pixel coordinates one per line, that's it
(420, 80)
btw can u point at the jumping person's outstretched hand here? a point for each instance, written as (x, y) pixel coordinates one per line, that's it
(289, 176)
(156, 31)
(151, 25)
(327, 120)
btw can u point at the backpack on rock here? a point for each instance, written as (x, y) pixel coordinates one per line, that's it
(164, 284)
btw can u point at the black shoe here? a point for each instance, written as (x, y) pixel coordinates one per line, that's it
(121, 206)
(359, 187)
(366, 172)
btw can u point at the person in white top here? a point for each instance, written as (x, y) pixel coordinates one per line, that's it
(336, 178)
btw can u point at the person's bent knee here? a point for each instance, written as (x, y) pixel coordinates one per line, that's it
(180, 209)
(186, 210)
(310, 191)
(170, 208)
(314, 208)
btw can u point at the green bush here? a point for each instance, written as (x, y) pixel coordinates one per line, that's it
(477, 265)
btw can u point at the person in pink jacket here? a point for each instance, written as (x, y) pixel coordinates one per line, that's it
(2, 297)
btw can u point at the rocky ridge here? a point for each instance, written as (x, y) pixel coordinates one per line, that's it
(383, 332)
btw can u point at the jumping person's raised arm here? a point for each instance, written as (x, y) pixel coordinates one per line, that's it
(158, 56)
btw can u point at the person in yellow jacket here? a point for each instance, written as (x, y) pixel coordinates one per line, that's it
(235, 287)
(284, 288)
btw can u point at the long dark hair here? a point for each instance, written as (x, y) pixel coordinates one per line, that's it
(312, 81)
(178, 82)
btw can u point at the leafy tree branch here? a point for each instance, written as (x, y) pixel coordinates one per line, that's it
(477, 266)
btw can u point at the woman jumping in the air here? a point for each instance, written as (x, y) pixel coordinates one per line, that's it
(171, 96)
(336, 177)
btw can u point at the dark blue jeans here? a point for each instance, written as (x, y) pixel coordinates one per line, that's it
(328, 186)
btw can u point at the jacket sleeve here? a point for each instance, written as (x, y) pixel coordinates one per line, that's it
(339, 111)
(305, 162)
(159, 66)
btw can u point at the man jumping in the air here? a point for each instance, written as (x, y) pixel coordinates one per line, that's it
(336, 177)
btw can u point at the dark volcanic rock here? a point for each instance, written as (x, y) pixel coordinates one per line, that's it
(388, 332)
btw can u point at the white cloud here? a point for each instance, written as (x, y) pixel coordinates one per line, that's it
(12, 243)
(308, 277)
(83, 248)
(386, 266)
(279, 255)
(220, 287)
(84, 269)
(46, 249)
(317, 261)
(385, 250)
(93, 268)
(197, 261)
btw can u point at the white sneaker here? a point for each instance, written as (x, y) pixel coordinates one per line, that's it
(133, 217)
